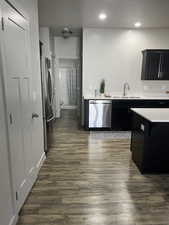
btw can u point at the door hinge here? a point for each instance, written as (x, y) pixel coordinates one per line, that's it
(10, 118)
(16, 196)
(2, 24)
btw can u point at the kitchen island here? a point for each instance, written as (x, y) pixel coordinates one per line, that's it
(150, 139)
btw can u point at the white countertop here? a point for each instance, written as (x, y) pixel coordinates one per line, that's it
(153, 114)
(127, 98)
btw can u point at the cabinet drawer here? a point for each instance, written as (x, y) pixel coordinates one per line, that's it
(156, 104)
(140, 103)
(128, 104)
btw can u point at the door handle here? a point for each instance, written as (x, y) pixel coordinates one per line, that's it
(35, 115)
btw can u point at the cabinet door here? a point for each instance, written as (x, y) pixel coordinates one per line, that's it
(121, 119)
(18, 92)
(6, 204)
(138, 141)
(164, 66)
(150, 66)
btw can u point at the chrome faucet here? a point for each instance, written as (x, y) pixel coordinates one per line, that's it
(126, 86)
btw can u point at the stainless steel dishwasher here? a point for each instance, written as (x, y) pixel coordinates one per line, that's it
(100, 113)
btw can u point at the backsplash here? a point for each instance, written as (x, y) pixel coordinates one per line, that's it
(148, 88)
(155, 88)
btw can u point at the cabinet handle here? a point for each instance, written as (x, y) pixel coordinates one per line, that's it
(160, 67)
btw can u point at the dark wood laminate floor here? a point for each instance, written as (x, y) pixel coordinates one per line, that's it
(90, 181)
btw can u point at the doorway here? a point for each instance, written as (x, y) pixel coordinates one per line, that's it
(69, 81)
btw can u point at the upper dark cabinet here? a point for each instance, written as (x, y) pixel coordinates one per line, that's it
(155, 65)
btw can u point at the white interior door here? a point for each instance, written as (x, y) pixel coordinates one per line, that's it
(6, 204)
(18, 91)
(26, 123)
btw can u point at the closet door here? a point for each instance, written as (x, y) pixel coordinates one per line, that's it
(18, 91)
(6, 204)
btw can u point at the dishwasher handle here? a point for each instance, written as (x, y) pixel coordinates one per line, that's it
(101, 102)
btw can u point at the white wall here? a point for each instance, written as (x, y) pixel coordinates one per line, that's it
(115, 55)
(44, 34)
(67, 48)
(57, 84)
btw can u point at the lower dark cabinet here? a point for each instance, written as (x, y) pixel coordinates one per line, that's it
(121, 119)
(121, 113)
(150, 145)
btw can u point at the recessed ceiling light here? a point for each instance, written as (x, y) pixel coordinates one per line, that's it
(102, 16)
(137, 24)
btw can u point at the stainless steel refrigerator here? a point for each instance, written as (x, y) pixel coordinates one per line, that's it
(47, 93)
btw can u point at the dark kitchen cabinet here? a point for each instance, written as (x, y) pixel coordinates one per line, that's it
(155, 65)
(164, 74)
(121, 114)
(149, 145)
(138, 139)
(121, 119)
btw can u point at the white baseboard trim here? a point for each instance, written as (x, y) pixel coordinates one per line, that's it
(14, 220)
(41, 161)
